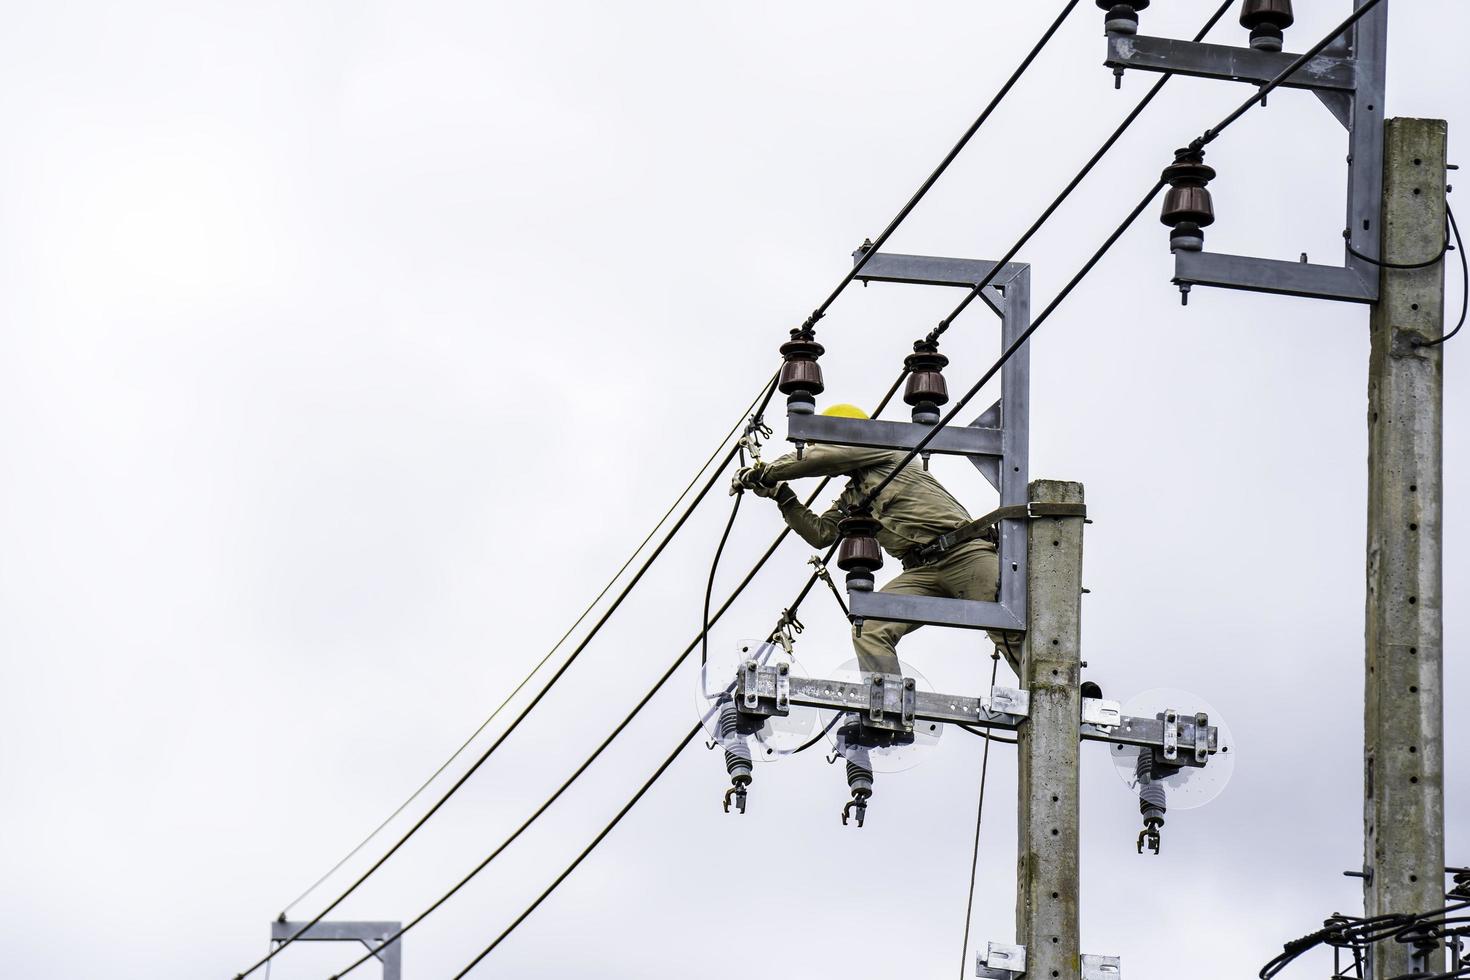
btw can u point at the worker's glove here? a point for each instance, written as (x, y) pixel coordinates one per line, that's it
(752, 478)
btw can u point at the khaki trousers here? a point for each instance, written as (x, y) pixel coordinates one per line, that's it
(969, 572)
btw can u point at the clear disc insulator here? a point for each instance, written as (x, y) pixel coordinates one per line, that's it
(1187, 787)
(766, 739)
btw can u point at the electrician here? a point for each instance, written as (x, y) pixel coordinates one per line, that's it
(913, 510)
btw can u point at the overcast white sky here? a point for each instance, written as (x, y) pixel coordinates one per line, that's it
(347, 348)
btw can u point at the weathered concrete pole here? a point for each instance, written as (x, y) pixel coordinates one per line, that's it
(1403, 813)
(1048, 824)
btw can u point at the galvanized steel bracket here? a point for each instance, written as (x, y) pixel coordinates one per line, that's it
(996, 443)
(1348, 78)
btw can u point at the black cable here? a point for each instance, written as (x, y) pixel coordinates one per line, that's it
(1015, 345)
(1209, 136)
(979, 817)
(1445, 247)
(982, 733)
(1081, 174)
(1213, 133)
(607, 614)
(527, 679)
(826, 730)
(627, 719)
(949, 158)
(1464, 281)
(683, 743)
(714, 565)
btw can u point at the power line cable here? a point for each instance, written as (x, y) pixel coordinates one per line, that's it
(979, 817)
(1207, 137)
(1086, 268)
(1041, 220)
(1077, 179)
(534, 670)
(1213, 133)
(710, 621)
(1464, 281)
(576, 652)
(683, 743)
(714, 565)
(949, 158)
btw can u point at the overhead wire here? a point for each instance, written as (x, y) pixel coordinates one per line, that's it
(949, 158)
(515, 723)
(1045, 216)
(701, 638)
(683, 743)
(535, 669)
(763, 402)
(979, 818)
(1464, 282)
(1208, 136)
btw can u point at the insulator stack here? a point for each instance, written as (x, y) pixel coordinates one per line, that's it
(1152, 801)
(860, 783)
(1121, 18)
(737, 756)
(1266, 19)
(1188, 208)
(860, 556)
(801, 375)
(926, 389)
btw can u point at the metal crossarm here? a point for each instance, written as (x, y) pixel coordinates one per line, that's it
(892, 702)
(1348, 78)
(996, 442)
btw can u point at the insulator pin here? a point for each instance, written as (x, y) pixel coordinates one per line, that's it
(1121, 18)
(1188, 208)
(859, 556)
(801, 376)
(1266, 19)
(926, 389)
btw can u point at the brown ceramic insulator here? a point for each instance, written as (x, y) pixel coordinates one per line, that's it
(859, 549)
(926, 384)
(800, 371)
(1188, 200)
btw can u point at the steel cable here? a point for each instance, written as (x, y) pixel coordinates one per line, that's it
(700, 639)
(949, 158)
(683, 744)
(979, 817)
(572, 658)
(1081, 174)
(534, 670)
(1464, 282)
(1199, 142)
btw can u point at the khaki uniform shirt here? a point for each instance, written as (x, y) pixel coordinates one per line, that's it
(912, 510)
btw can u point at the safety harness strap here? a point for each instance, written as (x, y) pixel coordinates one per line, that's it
(983, 526)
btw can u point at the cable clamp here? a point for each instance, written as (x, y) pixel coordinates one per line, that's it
(787, 628)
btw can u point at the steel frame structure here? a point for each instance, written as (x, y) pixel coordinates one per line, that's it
(996, 443)
(373, 935)
(1348, 78)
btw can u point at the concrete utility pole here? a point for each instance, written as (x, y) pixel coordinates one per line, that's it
(1403, 813)
(1051, 663)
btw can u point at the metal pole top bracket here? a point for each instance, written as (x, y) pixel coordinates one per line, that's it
(1007, 961)
(1348, 78)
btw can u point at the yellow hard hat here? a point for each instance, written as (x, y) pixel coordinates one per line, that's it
(845, 411)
